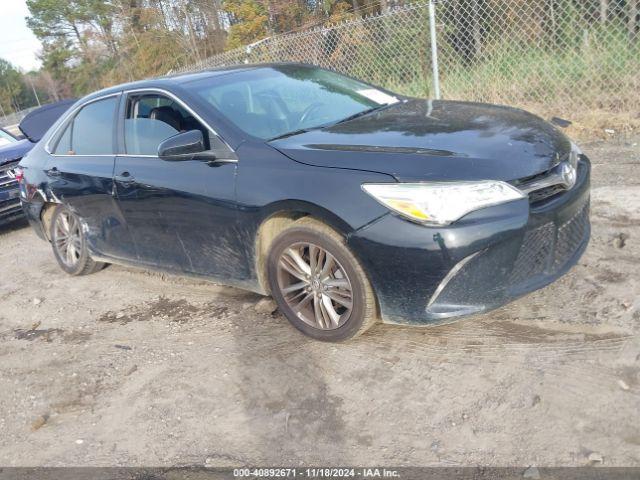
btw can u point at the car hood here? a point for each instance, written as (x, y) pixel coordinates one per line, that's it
(15, 151)
(435, 140)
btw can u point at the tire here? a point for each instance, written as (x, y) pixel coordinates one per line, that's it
(317, 317)
(73, 256)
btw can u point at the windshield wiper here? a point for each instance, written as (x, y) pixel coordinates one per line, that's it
(350, 117)
(291, 134)
(362, 113)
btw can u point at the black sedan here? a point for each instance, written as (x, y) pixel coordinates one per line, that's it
(345, 202)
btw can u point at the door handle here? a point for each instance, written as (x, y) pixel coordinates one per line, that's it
(53, 172)
(124, 177)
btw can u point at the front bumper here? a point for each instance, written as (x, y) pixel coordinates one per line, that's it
(425, 275)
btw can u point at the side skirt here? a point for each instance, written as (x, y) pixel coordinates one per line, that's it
(251, 285)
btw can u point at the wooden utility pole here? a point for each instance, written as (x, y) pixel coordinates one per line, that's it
(35, 94)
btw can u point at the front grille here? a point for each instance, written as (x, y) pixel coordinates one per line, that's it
(10, 207)
(8, 185)
(8, 182)
(570, 236)
(534, 177)
(533, 256)
(548, 248)
(545, 193)
(546, 185)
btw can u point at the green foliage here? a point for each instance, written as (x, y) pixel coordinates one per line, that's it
(88, 44)
(250, 20)
(11, 87)
(55, 19)
(598, 69)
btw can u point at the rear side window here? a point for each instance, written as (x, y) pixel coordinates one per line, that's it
(91, 130)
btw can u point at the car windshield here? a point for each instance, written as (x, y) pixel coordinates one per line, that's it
(6, 138)
(276, 101)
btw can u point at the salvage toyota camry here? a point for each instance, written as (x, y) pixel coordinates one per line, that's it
(344, 201)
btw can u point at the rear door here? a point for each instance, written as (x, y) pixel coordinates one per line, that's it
(80, 175)
(182, 215)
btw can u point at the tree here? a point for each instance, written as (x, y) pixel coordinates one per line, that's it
(44, 82)
(52, 20)
(12, 88)
(249, 21)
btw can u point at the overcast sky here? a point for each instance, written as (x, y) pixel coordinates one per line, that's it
(18, 45)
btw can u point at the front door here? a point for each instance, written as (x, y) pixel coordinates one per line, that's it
(181, 214)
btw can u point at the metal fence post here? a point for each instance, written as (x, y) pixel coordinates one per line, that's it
(434, 50)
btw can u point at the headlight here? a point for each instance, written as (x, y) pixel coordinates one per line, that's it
(441, 203)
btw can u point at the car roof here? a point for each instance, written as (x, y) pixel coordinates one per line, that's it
(182, 78)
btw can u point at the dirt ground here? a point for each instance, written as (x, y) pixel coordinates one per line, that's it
(125, 367)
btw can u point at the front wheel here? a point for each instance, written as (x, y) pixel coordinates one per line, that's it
(318, 284)
(69, 243)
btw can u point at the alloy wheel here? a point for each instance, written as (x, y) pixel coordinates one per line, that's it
(315, 286)
(67, 238)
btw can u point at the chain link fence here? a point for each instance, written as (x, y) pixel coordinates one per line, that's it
(564, 56)
(391, 49)
(560, 57)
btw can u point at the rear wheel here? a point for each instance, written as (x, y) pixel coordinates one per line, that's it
(318, 284)
(69, 244)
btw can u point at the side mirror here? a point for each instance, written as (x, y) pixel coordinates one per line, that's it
(184, 146)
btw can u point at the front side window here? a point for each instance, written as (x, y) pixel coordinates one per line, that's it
(269, 102)
(91, 130)
(152, 118)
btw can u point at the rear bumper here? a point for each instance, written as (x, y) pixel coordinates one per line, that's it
(425, 275)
